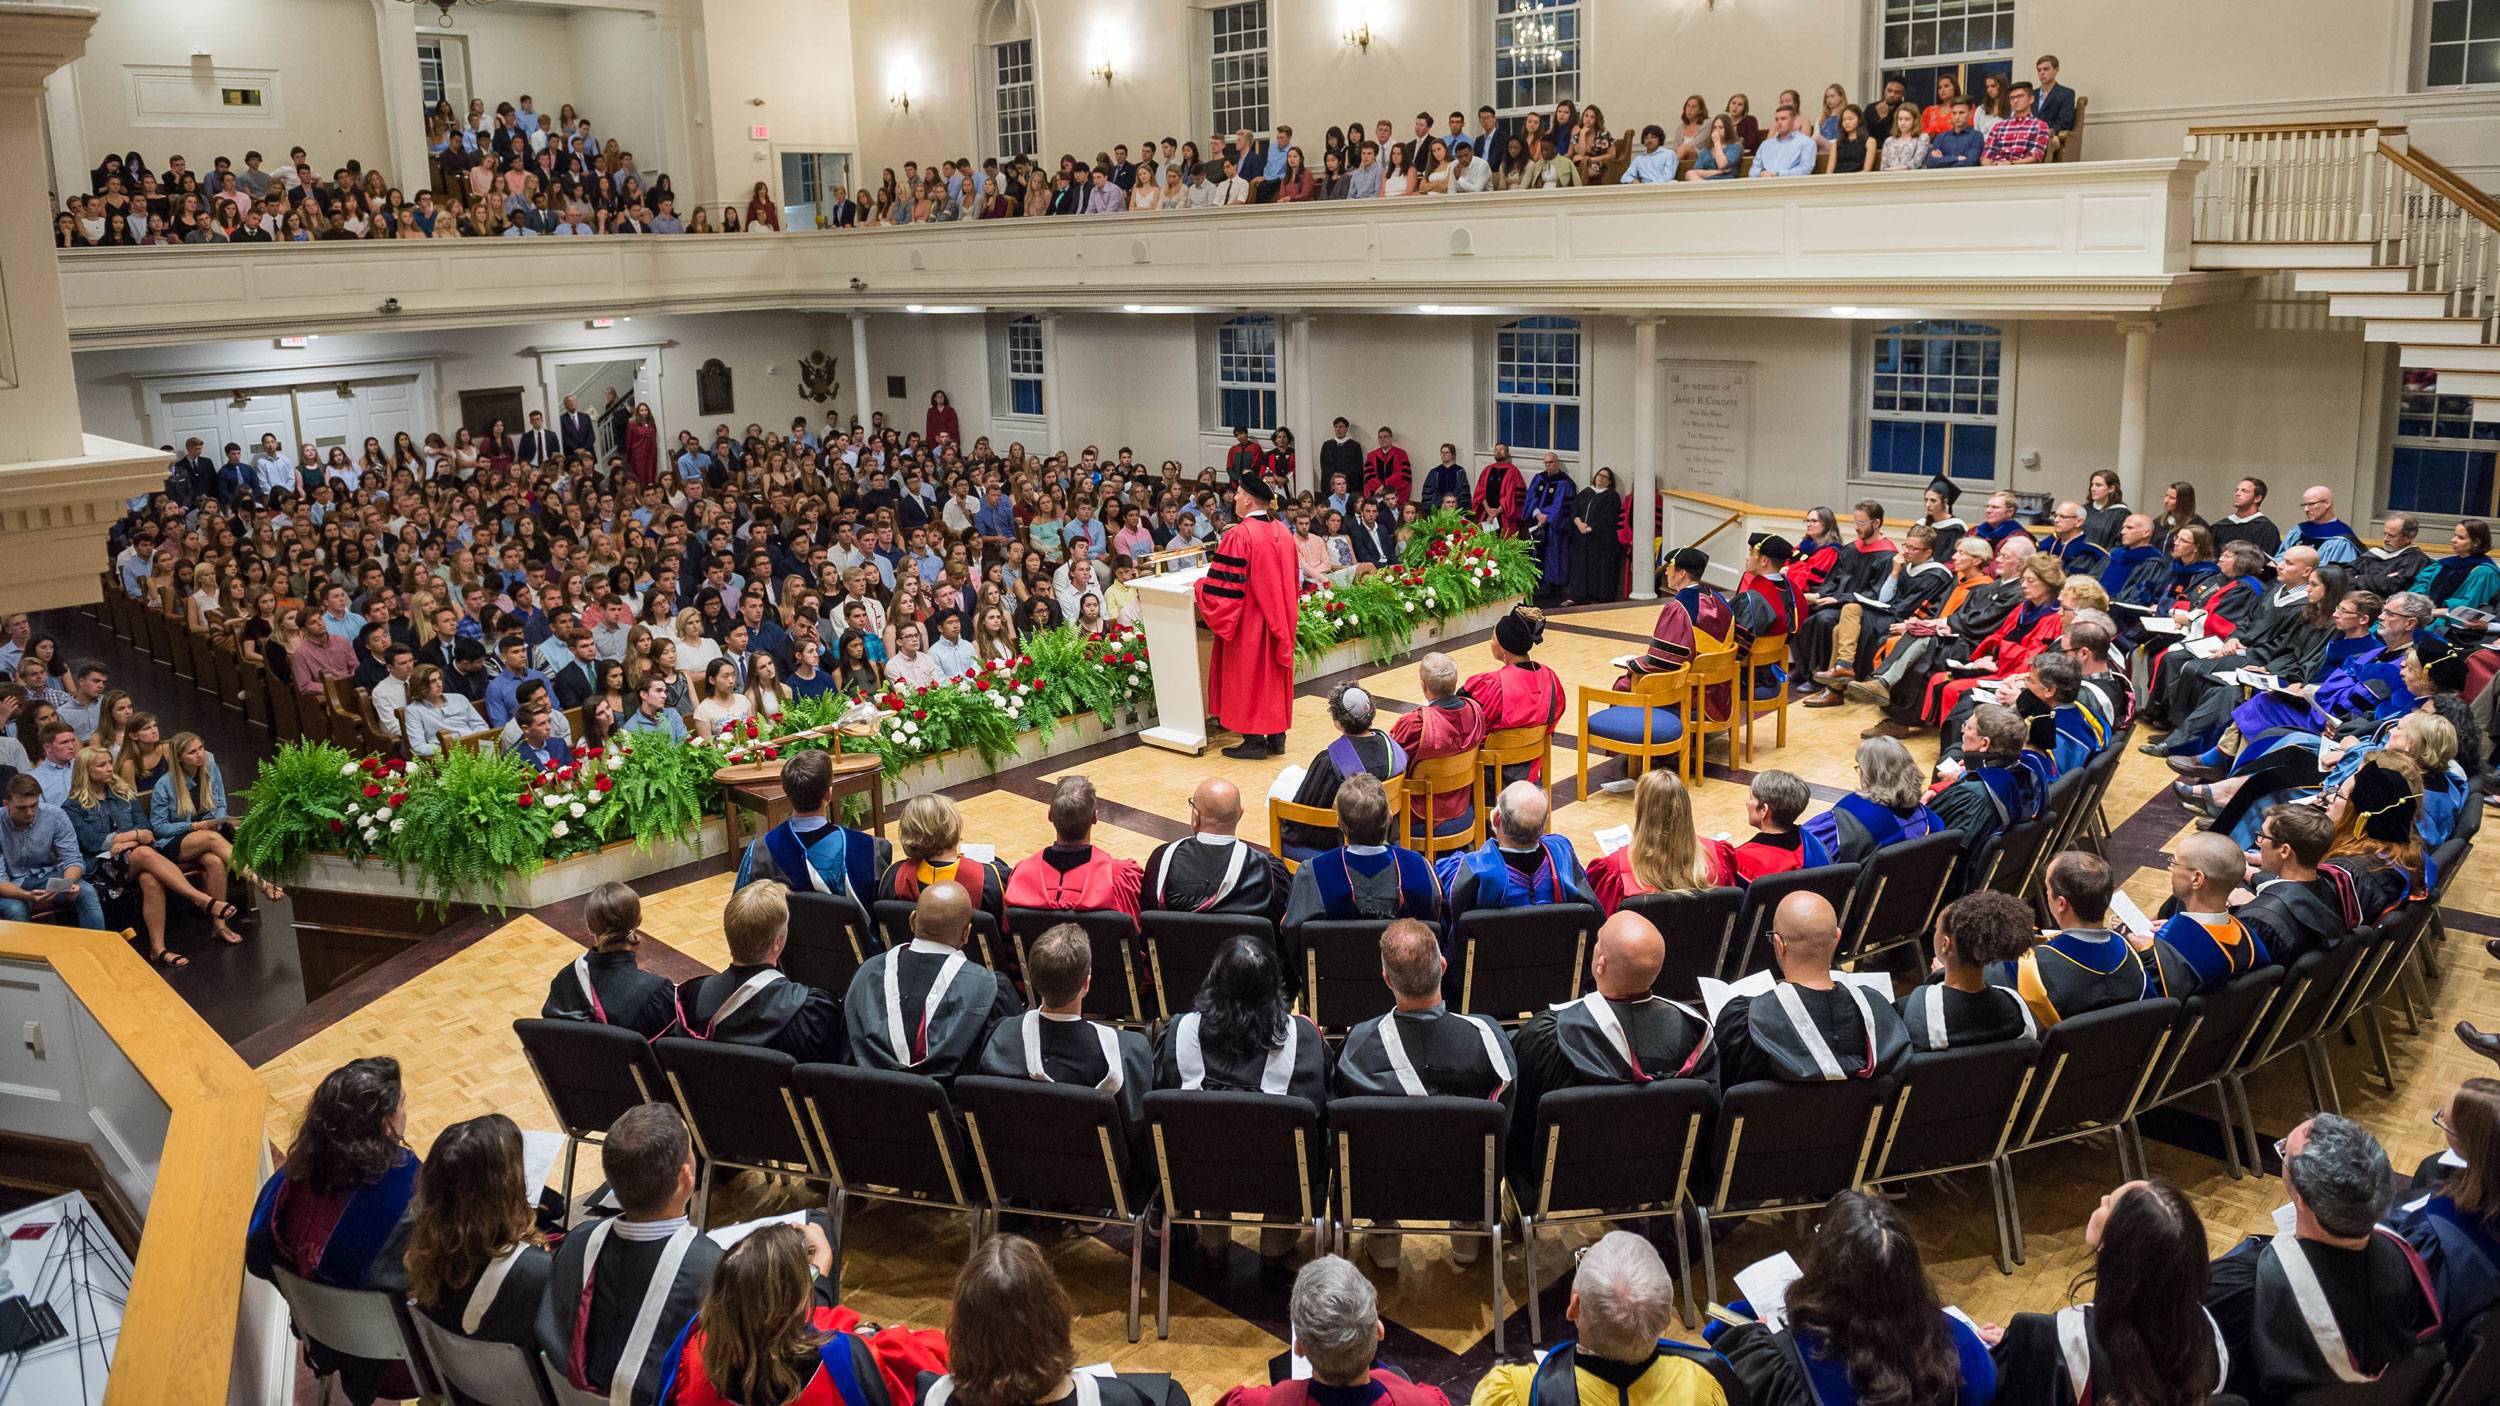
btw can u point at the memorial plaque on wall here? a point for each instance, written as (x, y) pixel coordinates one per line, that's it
(1709, 434)
(712, 391)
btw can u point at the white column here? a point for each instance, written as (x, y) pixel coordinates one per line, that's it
(403, 100)
(860, 373)
(2135, 402)
(1641, 499)
(1301, 403)
(60, 488)
(68, 129)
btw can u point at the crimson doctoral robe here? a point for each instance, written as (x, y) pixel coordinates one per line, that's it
(1248, 598)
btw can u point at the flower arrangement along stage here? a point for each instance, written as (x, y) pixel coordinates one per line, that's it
(1451, 566)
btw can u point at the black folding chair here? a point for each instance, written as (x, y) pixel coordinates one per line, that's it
(2094, 1070)
(2215, 1028)
(2313, 991)
(830, 940)
(2404, 1382)
(1955, 1112)
(2474, 1360)
(1114, 996)
(892, 925)
(2063, 806)
(1422, 1160)
(885, 1135)
(2400, 941)
(1897, 896)
(1763, 897)
(1061, 1152)
(1790, 1147)
(1602, 1155)
(1339, 969)
(2009, 862)
(1700, 932)
(1510, 963)
(591, 1074)
(737, 1101)
(1233, 1159)
(1180, 947)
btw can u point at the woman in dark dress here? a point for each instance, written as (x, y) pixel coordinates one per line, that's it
(1597, 558)
(476, 1262)
(605, 985)
(2147, 1339)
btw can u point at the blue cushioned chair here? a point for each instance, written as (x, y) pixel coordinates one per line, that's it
(1641, 724)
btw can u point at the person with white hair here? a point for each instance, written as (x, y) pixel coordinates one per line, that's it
(1358, 747)
(2332, 1296)
(1336, 1328)
(1622, 1303)
(1520, 866)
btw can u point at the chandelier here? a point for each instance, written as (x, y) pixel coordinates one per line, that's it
(445, 7)
(1533, 43)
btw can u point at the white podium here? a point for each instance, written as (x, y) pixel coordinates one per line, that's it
(1168, 608)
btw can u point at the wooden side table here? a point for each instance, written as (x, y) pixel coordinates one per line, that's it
(758, 788)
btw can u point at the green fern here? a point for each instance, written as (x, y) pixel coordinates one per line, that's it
(468, 828)
(298, 806)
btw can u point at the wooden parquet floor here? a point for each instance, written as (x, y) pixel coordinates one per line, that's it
(450, 1028)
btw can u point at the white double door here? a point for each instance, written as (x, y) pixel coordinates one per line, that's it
(338, 413)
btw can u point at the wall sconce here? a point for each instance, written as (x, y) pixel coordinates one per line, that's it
(1359, 36)
(900, 99)
(1103, 71)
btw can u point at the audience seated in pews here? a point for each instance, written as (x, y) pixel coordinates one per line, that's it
(606, 985)
(924, 1007)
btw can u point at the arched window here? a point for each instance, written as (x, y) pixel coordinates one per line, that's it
(1932, 401)
(1536, 384)
(1010, 91)
(1245, 372)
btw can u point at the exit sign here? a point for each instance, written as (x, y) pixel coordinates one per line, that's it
(759, 132)
(293, 343)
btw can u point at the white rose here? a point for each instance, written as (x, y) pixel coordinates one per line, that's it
(398, 825)
(348, 770)
(551, 802)
(579, 810)
(561, 829)
(594, 797)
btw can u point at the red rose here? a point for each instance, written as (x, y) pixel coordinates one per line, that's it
(337, 826)
(771, 752)
(776, 717)
(372, 791)
(564, 774)
(605, 784)
(398, 799)
(750, 727)
(919, 713)
(371, 762)
(981, 685)
(524, 800)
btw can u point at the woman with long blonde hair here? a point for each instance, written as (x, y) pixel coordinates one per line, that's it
(110, 818)
(1664, 856)
(187, 809)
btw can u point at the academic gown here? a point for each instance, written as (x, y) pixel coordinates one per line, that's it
(624, 1275)
(1249, 599)
(2293, 919)
(1298, 1067)
(1993, 794)
(1971, 613)
(1715, 627)
(1486, 877)
(620, 993)
(1078, 878)
(1597, 1042)
(1597, 554)
(1215, 874)
(1443, 1054)
(356, 1240)
(1525, 694)
(1857, 826)
(2103, 525)
(500, 1305)
(2051, 1359)
(2382, 572)
(1915, 595)
(1073, 1050)
(2081, 970)
(1846, 1034)
(1764, 855)
(1501, 490)
(812, 855)
(985, 880)
(1857, 568)
(1773, 1375)
(1550, 494)
(1369, 881)
(1375, 752)
(1441, 728)
(2379, 1297)
(2256, 529)
(2460, 1251)
(2025, 633)
(1941, 1017)
(890, 1021)
(779, 1014)
(2216, 946)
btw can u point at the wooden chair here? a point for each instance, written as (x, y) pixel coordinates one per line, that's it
(347, 704)
(480, 741)
(1708, 671)
(1512, 746)
(1429, 780)
(1282, 813)
(1768, 652)
(1642, 723)
(2069, 145)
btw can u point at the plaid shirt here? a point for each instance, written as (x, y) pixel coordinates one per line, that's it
(2016, 139)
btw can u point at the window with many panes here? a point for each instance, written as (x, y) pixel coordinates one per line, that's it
(1536, 384)
(1024, 366)
(2442, 458)
(1968, 40)
(1932, 401)
(1013, 99)
(1237, 66)
(2462, 48)
(1245, 372)
(1536, 54)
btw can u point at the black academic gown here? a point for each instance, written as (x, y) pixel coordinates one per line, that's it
(2033, 1361)
(621, 994)
(1914, 597)
(1941, 1017)
(1597, 554)
(623, 1274)
(1190, 875)
(509, 1313)
(1758, 1041)
(2291, 919)
(1299, 1067)
(1981, 612)
(1321, 779)
(1856, 570)
(975, 1001)
(1070, 1051)
(800, 1021)
(1565, 1047)
(1462, 1056)
(2374, 1294)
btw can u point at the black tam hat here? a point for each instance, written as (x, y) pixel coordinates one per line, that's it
(1256, 486)
(2443, 661)
(1776, 550)
(2387, 803)
(1520, 630)
(1946, 489)
(1692, 561)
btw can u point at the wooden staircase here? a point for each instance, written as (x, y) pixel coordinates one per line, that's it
(2390, 237)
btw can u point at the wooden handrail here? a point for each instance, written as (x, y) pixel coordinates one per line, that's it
(2448, 183)
(178, 1329)
(2261, 129)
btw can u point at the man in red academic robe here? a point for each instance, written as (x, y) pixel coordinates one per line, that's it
(1387, 473)
(1502, 491)
(1450, 722)
(1245, 458)
(1249, 598)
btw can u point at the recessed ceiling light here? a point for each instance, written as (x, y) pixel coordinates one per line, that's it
(1132, 307)
(911, 307)
(1427, 307)
(1844, 311)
